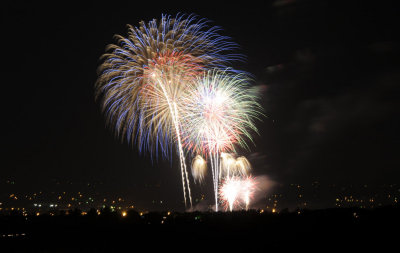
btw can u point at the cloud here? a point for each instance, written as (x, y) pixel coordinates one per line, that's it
(264, 185)
(330, 121)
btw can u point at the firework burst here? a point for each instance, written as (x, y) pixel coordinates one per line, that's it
(199, 168)
(124, 71)
(236, 192)
(142, 78)
(219, 113)
(231, 166)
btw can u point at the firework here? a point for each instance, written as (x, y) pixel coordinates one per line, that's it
(242, 166)
(142, 77)
(237, 192)
(230, 190)
(123, 73)
(199, 168)
(248, 187)
(164, 82)
(219, 113)
(228, 165)
(234, 167)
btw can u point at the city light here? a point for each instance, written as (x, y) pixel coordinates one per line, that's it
(304, 196)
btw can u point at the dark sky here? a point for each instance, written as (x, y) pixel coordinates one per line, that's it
(330, 70)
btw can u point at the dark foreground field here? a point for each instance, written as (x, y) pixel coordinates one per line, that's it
(319, 230)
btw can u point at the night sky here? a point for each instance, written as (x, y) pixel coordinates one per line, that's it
(330, 74)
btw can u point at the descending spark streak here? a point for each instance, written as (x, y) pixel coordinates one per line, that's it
(216, 173)
(181, 154)
(159, 80)
(215, 185)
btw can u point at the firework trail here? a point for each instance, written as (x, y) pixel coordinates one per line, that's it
(165, 80)
(143, 75)
(219, 113)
